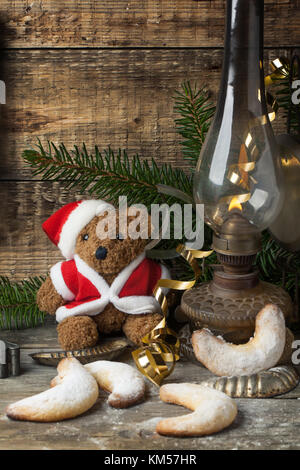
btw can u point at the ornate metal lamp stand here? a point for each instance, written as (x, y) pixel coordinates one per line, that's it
(239, 180)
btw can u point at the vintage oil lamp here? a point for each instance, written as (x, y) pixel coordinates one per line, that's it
(238, 179)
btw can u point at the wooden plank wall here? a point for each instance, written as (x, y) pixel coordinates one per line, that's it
(102, 72)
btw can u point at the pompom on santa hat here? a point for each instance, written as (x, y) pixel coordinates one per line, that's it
(64, 226)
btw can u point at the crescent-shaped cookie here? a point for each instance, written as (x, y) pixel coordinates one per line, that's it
(125, 384)
(260, 353)
(74, 392)
(212, 410)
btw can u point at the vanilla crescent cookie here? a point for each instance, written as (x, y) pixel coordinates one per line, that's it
(212, 410)
(73, 392)
(125, 384)
(260, 353)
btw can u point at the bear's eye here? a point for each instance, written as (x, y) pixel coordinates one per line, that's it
(120, 237)
(85, 236)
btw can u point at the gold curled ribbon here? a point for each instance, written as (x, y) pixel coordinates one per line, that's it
(281, 68)
(162, 344)
(236, 199)
(271, 101)
(238, 173)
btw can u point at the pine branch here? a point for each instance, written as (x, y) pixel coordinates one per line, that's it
(269, 258)
(107, 175)
(17, 303)
(196, 112)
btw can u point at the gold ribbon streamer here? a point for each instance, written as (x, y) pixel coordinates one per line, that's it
(281, 68)
(237, 198)
(271, 101)
(162, 344)
(238, 172)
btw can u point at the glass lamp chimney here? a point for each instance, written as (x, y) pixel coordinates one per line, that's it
(239, 167)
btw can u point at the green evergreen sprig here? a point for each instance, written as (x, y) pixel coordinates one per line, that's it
(196, 110)
(18, 306)
(107, 175)
(273, 259)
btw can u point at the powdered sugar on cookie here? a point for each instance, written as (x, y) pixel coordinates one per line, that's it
(73, 392)
(212, 410)
(261, 352)
(125, 383)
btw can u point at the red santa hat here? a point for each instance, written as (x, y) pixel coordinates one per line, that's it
(64, 225)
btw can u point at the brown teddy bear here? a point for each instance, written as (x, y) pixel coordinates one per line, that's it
(105, 285)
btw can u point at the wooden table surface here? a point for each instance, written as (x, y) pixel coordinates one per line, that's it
(261, 423)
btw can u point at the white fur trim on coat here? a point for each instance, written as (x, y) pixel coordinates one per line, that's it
(135, 304)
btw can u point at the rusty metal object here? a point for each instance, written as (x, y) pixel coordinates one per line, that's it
(9, 359)
(108, 350)
(264, 384)
(237, 237)
(227, 311)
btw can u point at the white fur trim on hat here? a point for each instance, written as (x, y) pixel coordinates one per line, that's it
(78, 219)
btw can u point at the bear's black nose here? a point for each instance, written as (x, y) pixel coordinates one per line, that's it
(101, 252)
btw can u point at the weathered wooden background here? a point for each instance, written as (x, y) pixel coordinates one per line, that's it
(102, 72)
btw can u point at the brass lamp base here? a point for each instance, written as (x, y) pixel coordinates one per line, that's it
(231, 313)
(228, 306)
(229, 303)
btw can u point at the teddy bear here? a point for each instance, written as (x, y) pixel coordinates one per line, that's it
(104, 285)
